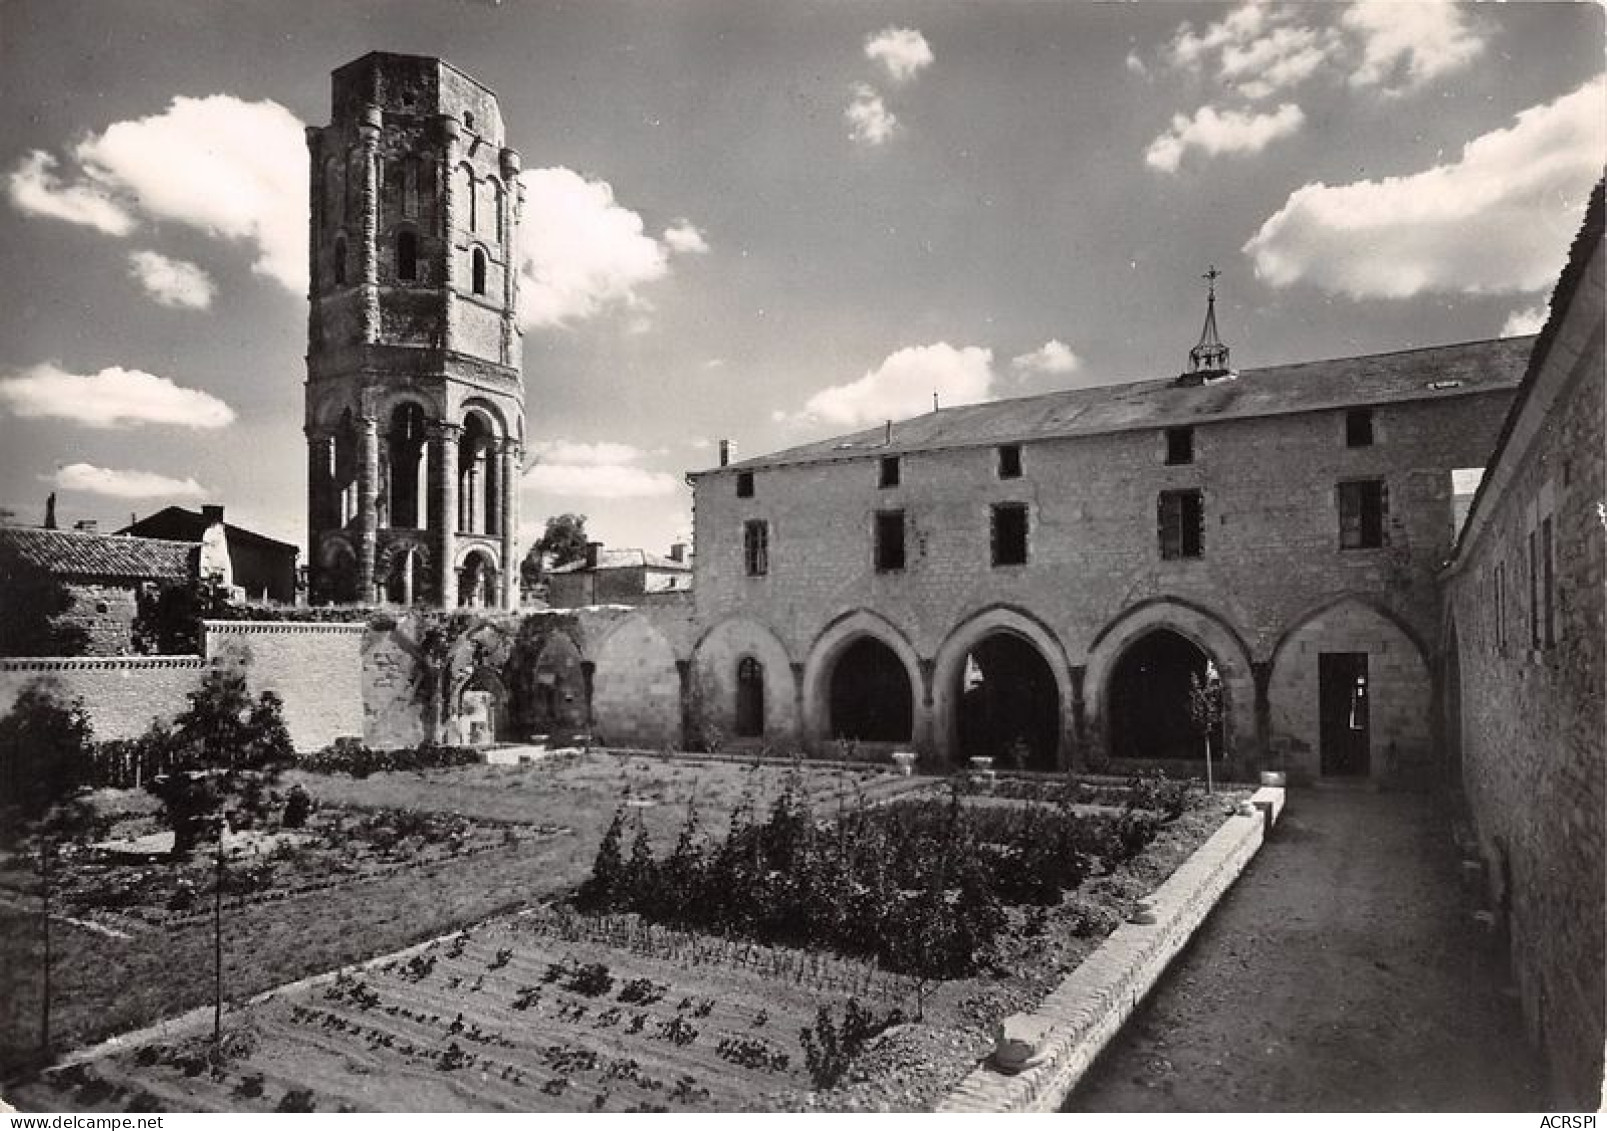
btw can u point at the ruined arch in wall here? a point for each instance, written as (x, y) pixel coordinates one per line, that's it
(1000, 677)
(1185, 623)
(717, 661)
(477, 577)
(338, 566)
(550, 695)
(636, 687)
(879, 654)
(404, 571)
(1350, 693)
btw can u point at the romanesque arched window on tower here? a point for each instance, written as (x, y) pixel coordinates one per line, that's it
(463, 187)
(404, 480)
(340, 261)
(407, 256)
(410, 178)
(498, 199)
(479, 271)
(479, 478)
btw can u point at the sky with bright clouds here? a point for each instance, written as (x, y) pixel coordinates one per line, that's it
(768, 222)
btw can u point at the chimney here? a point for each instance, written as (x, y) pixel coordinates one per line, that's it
(725, 452)
(591, 554)
(50, 512)
(212, 515)
(677, 551)
(87, 525)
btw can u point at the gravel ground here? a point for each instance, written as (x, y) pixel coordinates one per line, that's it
(1342, 973)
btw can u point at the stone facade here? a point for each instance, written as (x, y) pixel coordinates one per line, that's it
(1524, 686)
(415, 400)
(1270, 590)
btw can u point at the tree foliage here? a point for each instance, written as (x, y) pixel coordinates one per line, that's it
(167, 620)
(31, 607)
(45, 763)
(563, 541)
(226, 751)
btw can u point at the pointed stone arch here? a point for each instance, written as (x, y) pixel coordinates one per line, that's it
(1211, 633)
(950, 666)
(829, 647)
(716, 663)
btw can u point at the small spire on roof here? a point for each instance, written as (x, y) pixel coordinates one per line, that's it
(1210, 355)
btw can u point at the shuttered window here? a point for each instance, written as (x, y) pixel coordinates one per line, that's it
(1363, 508)
(1181, 521)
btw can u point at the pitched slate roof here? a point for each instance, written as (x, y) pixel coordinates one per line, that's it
(1430, 373)
(188, 525)
(626, 559)
(78, 553)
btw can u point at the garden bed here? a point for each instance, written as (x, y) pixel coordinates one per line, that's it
(537, 1011)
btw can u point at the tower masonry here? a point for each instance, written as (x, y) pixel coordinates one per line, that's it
(414, 398)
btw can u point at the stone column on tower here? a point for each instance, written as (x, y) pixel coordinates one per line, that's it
(367, 504)
(318, 485)
(368, 268)
(450, 131)
(444, 489)
(510, 522)
(510, 254)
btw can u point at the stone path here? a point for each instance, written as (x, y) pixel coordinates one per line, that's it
(1341, 973)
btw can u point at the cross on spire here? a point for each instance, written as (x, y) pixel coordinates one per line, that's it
(1210, 354)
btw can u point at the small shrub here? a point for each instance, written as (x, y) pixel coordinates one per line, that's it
(591, 980)
(297, 1100)
(831, 1046)
(297, 805)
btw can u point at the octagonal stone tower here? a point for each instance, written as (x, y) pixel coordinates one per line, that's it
(415, 400)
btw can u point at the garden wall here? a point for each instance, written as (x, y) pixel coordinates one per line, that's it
(121, 694)
(315, 668)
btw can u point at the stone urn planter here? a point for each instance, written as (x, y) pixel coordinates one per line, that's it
(1274, 777)
(904, 760)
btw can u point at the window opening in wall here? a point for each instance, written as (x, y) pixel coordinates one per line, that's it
(1501, 607)
(1010, 461)
(1549, 583)
(1359, 428)
(1179, 445)
(1363, 506)
(756, 547)
(889, 472)
(744, 484)
(1009, 534)
(340, 262)
(479, 271)
(1181, 521)
(468, 121)
(407, 256)
(889, 541)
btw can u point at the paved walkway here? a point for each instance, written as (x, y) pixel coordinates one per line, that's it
(1341, 973)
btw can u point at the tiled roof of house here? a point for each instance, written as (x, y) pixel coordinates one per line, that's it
(1431, 373)
(626, 559)
(78, 553)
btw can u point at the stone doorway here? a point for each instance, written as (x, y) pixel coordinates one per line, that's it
(1344, 713)
(1009, 707)
(871, 699)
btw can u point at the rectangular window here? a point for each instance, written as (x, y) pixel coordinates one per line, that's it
(1363, 506)
(1501, 608)
(1549, 579)
(756, 547)
(744, 484)
(1359, 428)
(1181, 517)
(1009, 534)
(1010, 461)
(889, 471)
(1534, 589)
(889, 541)
(1179, 445)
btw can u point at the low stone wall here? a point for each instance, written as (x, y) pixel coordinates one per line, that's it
(121, 694)
(1076, 1020)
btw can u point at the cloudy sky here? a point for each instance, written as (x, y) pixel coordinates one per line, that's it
(768, 222)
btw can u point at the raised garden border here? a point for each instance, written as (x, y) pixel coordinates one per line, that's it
(1073, 1024)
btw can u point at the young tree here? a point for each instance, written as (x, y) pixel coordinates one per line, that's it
(45, 773)
(1205, 711)
(564, 540)
(226, 752)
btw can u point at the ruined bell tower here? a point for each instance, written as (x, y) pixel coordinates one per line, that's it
(414, 398)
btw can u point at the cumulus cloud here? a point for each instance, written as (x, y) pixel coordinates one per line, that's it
(1526, 321)
(36, 190)
(903, 384)
(902, 52)
(1054, 356)
(595, 471)
(1496, 220)
(234, 169)
(113, 398)
(1406, 46)
(582, 251)
(871, 121)
(683, 236)
(1283, 58)
(172, 282)
(1214, 131)
(123, 484)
